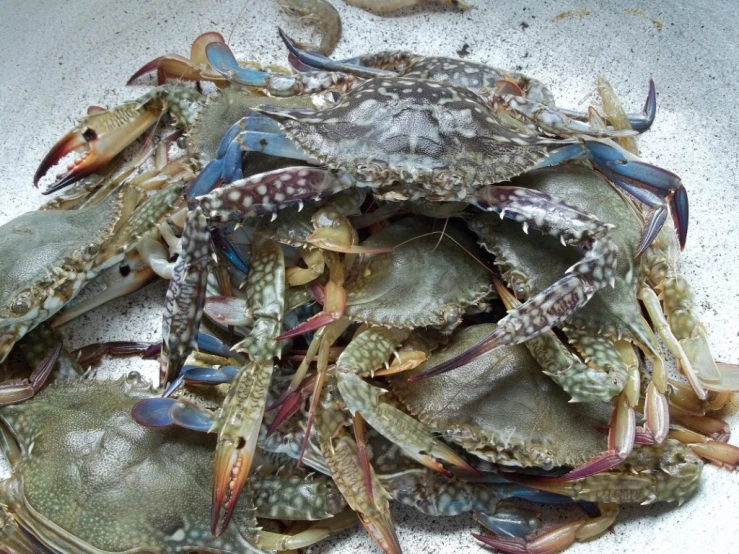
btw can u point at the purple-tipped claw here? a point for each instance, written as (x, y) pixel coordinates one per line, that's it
(316, 322)
(643, 121)
(647, 183)
(317, 60)
(680, 214)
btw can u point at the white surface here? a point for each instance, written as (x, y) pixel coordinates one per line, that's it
(56, 58)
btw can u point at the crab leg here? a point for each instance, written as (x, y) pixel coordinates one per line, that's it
(639, 122)
(129, 276)
(366, 352)
(256, 195)
(647, 183)
(582, 382)
(668, 472)
(416, 440)
(136, 270)
(435, 495)
(16, 391)
(687, 339)
(548, 119)
(315, 533)
(275, 84)
(531, 93)
(13, 538)
(239, 420)
(183, 305)
(333, 306)
(178, 67)
(652, 304)
(557, 538)
(269, 192)
(343, 460)
(716, 452)
(104, 134)
(554, 304)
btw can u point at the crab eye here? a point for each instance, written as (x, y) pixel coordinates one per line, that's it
(89, 134)
(91, 249)
(22, 303)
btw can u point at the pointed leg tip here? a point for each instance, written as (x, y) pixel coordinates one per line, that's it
(599, 464)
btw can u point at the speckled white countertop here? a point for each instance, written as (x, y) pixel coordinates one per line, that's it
(57, 58)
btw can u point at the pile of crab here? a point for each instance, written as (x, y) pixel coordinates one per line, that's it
(422, 281)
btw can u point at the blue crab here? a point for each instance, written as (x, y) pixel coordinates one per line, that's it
(502, 409)
(603, 331)
(518, 101)
(52, 253)
(48, 256)
(124, 472)
(359, 139)
(524, 98)
(378, 292)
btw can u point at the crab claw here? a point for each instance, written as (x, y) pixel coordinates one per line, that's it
(382, 529)
(316, 60)
(16, 391)
(100, 136)
(230, 469)
(647, 183)
(554, 540)
(175, 66)
(643, 121)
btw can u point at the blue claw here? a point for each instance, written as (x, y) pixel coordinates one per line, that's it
(227, 139)
(319, 61)
(208, 179)
(648, 184)
(226, 166)
(230, 251)
(561, 155)
(191, 416)
(643, 121)
(209, 375)
(510, 521)
(211, 345)
(224, 62)
(153, 412)
(165, 412)
(273, 144)
(231, 170)
(680, 214)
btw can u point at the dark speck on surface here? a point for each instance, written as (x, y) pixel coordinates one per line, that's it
(523, 25)
(464, 51)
